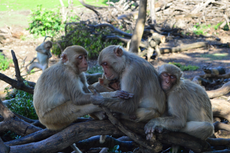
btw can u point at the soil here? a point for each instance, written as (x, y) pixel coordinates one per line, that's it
(13, 36)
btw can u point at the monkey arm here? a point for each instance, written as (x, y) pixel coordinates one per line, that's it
(176, 120)
(111, 100)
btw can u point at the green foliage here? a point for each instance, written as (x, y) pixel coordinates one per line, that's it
(22, 103)
(4, 62)
(95, 69)
(81, 34)
(215, 56)
(199, 29)
(45, 22)
(226, 27)
(184, 67)
(12, 135)
(217, 26)
(115, 149)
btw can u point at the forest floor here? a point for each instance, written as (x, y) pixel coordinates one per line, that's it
(24, 44)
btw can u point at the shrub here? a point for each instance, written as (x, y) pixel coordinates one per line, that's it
(184, 67)
(45, 22)
(4, 62)
(21, 103)
(93, 40)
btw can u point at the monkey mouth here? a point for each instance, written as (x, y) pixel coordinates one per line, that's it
(166, 86)
(83, 69)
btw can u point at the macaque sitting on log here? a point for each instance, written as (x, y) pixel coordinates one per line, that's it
(61, 93)
(132, 72)
(189, 107)
(43, 55)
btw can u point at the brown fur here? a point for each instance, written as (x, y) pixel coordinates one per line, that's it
(189, 108)
(136, 76)
(61, 94)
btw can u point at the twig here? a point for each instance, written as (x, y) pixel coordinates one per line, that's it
(154, 146)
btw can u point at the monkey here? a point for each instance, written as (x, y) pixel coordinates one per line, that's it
(132, 71)
(189, 107)
(61, 94)
(43, 55)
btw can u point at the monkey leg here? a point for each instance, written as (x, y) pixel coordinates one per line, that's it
(64, 114)
(30, 63)
(33, 65)
(198, 129)
(145, 114)
(45, 66)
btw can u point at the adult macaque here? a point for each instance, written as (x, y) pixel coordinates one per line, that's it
(189, 107)
(61, 93)
(136, 76)
(43, 55)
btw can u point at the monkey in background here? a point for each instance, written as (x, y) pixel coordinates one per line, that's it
(43, 55)
(61, 93)
(132, 72)
(189, 107)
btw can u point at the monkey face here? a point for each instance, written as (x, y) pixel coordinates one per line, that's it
(109, 73)
(167, 81)
(82, 63)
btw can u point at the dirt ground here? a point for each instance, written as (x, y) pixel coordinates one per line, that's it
(13, 36)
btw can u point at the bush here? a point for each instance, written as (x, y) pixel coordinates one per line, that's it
(93, 40)
(184, 67)
(21, 103)
(45, 22)
(4, 62)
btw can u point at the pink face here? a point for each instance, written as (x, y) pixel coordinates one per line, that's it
(82, 63)
(108, 71)
(167, 81)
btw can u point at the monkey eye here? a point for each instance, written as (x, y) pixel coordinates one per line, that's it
(104, 64)
(172, 77)
(80, 57)
(164, 74)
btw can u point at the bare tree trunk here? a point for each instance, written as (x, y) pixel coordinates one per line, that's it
(139, 28)
(63, 11)
(152, 11)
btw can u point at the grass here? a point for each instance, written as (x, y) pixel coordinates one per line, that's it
(19, 5)
(216, 56)
(185, 67)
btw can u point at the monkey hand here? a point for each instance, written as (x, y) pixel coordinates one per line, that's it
(123, 94)
(96, 98)
(151, 127)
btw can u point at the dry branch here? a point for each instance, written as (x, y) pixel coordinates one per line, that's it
(183, 47)
(13, 123)
(221, 126)
(154, 146)
(221, 108)
(84, 130)
(109, 142)
(19, 84)
(220, 91)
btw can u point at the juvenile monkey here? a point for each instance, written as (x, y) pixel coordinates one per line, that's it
(61, 93)
(132, 72)
(43, 55)
(189, 107)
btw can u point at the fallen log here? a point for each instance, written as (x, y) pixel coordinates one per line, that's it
(183, 47)
(220, 91)
(221, 108)
(221, 126)
(84, 130)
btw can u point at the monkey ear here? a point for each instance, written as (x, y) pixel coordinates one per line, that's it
(118, 51)
(64, 58)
